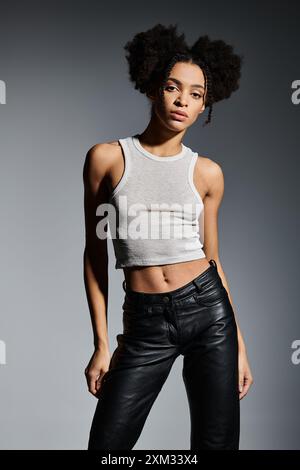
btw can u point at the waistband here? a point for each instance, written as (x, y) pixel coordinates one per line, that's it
(141, 298)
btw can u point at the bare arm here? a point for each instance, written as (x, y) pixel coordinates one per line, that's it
(95, 262)
(212, 202)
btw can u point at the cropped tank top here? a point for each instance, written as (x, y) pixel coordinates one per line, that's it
(158, 214)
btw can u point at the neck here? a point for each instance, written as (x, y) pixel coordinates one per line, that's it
(159, 140)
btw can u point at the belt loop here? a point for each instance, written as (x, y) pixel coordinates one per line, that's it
(213, 263)
(197, 284)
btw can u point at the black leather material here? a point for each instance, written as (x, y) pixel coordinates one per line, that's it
(196, 321)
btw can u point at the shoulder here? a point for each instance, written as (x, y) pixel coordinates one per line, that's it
(209, 167)
(211, 174)
(100, 157)
(102, 153)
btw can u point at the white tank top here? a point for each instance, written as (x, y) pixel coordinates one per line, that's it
(157, 214)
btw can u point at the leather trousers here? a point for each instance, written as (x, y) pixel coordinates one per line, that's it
(196, 321)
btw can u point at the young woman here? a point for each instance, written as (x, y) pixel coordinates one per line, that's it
(165, 198)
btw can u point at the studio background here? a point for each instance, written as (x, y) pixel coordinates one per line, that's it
(67, 88)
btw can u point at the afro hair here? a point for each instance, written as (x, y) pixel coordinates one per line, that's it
(152, 54)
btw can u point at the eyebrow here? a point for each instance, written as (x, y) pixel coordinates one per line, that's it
(196, 85)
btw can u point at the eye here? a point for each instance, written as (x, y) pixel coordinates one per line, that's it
(169, 86)
(174, 88)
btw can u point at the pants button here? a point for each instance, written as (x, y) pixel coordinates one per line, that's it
(166, 299)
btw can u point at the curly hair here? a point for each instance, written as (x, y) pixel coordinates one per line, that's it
(153, 53)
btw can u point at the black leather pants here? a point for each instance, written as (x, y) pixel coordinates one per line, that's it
(195, 320)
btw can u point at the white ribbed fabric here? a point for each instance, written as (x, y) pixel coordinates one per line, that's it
(158, 213)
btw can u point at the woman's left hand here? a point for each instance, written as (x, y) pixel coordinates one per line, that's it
(245, 375)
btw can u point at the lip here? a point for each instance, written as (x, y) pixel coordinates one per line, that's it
(179, 115)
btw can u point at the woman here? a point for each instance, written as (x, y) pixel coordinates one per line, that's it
(177, 299)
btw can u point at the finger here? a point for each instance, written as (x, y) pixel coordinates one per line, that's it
(99, 383)
(246, 387)
(244, 392)
(241, 383)
(100, 379)
(92, 384)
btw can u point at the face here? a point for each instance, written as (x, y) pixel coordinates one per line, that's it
(183, 92)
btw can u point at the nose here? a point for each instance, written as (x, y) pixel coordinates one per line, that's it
(181, 103)
(182, 100)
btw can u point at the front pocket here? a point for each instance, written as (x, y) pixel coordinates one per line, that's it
(211, 297)
(134, 311)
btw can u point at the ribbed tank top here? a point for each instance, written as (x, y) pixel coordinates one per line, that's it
(158, 214)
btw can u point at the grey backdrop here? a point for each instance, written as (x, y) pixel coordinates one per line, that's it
(67, 88)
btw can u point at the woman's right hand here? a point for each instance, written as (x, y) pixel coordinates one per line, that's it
(96, 369)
